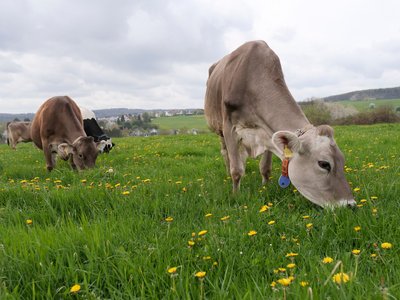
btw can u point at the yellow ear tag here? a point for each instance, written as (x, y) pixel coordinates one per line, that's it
(287, 152)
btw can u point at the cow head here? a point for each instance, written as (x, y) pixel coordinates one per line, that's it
(82, 152)
(316, 168)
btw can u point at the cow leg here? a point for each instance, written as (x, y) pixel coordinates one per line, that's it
(266, 166)
(236, 156)
(224, 153)
(50, 154)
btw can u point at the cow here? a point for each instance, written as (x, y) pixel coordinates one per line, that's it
(57, 128)
(93, 129)
(18, 132)
(248, 104)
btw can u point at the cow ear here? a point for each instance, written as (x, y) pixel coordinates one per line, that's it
(64, 150)
(100, 146)
(281, 138)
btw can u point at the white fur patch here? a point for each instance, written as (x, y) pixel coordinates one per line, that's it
(253, 139)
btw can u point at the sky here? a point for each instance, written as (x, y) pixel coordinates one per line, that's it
(155, 54)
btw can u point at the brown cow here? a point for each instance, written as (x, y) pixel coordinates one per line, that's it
(57, 128)
(18, 132)
(249, 106)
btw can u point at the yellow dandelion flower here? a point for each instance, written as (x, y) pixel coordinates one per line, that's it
(363, 200)
(178, 182)
(356, 251)
(309, 225)
(117, 185)
(374, 210)
(83, 180)
(340, 278)
(273, 284)
(75, 288)
(386, 245)
(125, 193)
(184, 189)
(304, 283)
(172, 270)
(357, 189)
(191, 243)
(206, 257)
(292, 254)
(263, 208)
(203, 232)
(169, 219)
(305, 217)
(374, 197)
(252, 232)
(291, 266)
(225, 218)
(327, 260)
(284, 281)
(270, 204)
(357, 228)
(272, 222)
(200, 274)
(283, 270)
(29, 222)
(208, 215)
(374, 255)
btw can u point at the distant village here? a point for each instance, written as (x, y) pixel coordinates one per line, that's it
(121, 122)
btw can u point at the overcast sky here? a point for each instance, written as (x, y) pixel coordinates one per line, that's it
(155, 53)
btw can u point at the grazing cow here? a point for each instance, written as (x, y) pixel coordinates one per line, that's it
(57, 128)
(93, 129)
(248, 104)
(18, 132)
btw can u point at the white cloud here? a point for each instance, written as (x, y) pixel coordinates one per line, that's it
(156, 54)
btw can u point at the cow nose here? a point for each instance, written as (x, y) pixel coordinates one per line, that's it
(351, 204)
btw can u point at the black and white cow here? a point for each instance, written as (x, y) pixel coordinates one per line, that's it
(93, 129)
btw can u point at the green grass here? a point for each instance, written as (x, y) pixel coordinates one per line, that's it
(363, 105)
(182, 122)
(87, 230)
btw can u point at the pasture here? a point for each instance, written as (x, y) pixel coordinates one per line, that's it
(182, 122)
(156, 219)
(363, 105)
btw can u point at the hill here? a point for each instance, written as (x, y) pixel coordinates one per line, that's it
(371, 94)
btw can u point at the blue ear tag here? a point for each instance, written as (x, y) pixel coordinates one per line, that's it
(284, 181)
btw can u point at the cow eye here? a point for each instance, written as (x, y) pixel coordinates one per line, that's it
(324, 165)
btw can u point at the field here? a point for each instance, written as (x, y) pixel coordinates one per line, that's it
(156, 219)
(182, 122)
(363, 105)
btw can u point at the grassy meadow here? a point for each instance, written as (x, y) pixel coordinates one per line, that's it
(156, 219)
(182, 122)
(363, 105)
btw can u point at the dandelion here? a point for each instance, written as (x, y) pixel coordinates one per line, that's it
(356, 251)
(283, 270)
(305, 217)
(292, 254)
(252, 232)
(340, 278)
(273, 284)
(284, 281)
(29, 222)
(225, 218)
(309, 225)
(363, 200)
(75, 288)
(374, 211)
(83, 181)
(374, 197)
(386, 245)
(263, 208)
(373, 255)
(357, 189)
(191, 243)
(169, 219)
(203, 232)
(304, 283)
(272, 222)
(291, 266)
(206, 257)
(357, 228)
(208, 215)
(125, 193)
(327, 260)
(200, 274)
(172, 270)
(184, 189)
